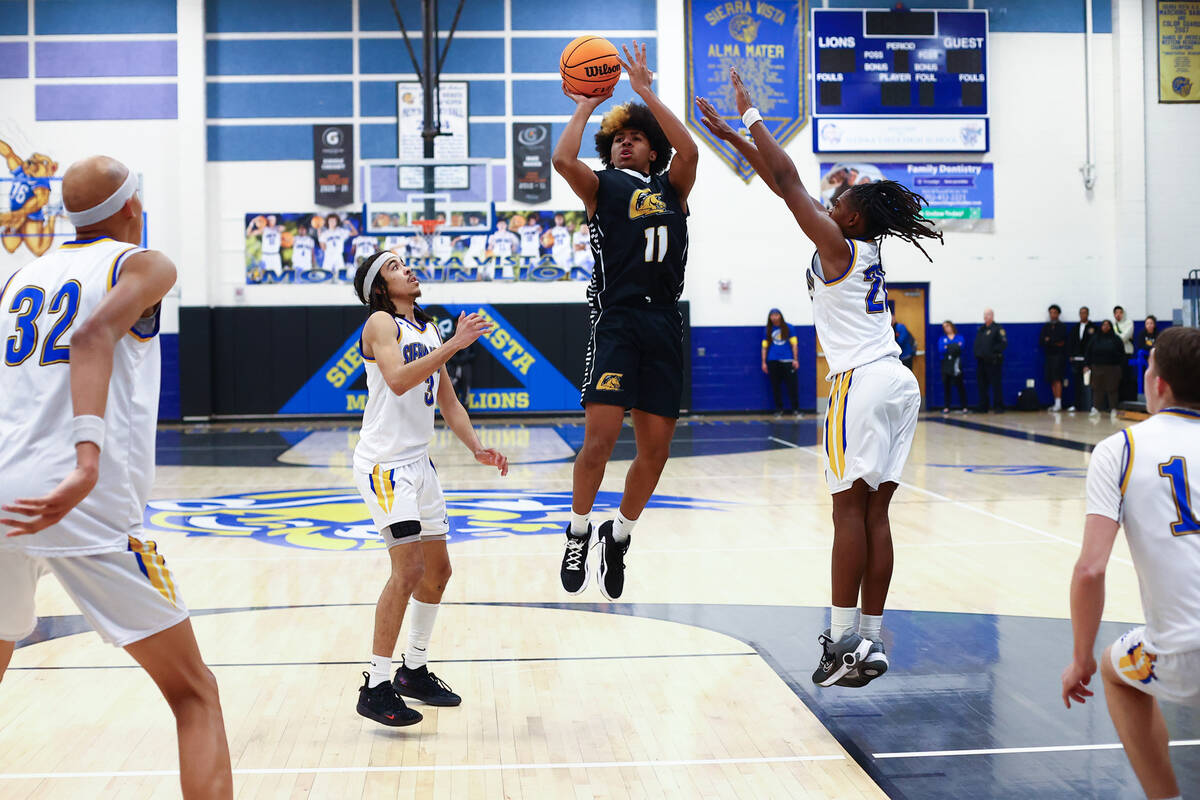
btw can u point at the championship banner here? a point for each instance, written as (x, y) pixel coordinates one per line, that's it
(324, 247)
(766, 42)
(961, 195)
(333, 165)
(1178, 51)
(531, 162)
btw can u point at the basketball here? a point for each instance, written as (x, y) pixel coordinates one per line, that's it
(589, 65)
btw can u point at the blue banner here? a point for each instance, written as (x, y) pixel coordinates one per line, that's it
(765, 41)
(541, 386)
(955, 191)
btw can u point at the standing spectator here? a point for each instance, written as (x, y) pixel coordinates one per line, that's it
(990, 341)
(1053, 344)
(1144, 340)
(950, 349)
(908, 344)
(780, 360)
(1081, 335)
(1105, 355)
(1123, 326)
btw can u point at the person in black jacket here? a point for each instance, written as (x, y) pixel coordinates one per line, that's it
(1105, 356)
(1053, 344)
(1143, 340)
(990, 342)
(1081, 334)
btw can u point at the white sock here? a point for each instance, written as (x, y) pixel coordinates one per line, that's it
(421, 617)
(1058, 404)
(871, 627)
(381, 670)
(580, 523)
(841, 620)
(622, 527)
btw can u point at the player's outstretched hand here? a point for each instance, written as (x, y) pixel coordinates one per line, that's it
(588, 100)
(470, 327)
(1075, 679)
(493, 458)
(713, 121)
(42, 512)
(641, 77)
(740, 94)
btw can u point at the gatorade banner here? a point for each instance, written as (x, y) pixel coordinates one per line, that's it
(333, 165)
(531, 162)
(961, 195)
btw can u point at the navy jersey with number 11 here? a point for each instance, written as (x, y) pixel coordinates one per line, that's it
(639, 241)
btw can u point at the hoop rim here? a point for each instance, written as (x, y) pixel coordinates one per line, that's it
(427, 226)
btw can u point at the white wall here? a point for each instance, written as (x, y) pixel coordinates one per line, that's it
(1172, 175)
(1053, 241)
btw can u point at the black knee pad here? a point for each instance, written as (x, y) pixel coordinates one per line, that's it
(400, 531)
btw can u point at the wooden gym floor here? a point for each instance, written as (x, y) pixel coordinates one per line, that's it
(695, 685)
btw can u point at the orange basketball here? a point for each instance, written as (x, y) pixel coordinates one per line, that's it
(589, 65)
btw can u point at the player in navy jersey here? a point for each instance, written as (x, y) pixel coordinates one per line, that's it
(637, 215)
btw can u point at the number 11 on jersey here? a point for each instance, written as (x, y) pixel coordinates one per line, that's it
(656, 236)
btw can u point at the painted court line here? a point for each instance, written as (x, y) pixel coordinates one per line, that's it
(697, 762)
(1016, 750)
(967, 506)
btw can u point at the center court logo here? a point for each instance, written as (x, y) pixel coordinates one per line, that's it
(336, 519)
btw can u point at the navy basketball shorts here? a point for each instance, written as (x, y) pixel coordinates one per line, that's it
(635, 359)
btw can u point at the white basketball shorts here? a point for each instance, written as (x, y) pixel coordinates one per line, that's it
(1167, 677)
(870, 423)
(125, 596)
(273, 262)
(409, 492)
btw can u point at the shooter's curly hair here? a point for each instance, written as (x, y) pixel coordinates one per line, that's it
(638, 117)
(891, 209)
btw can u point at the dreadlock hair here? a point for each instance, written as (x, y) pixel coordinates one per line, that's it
(891, 209)
(637, 117)
(379, 299)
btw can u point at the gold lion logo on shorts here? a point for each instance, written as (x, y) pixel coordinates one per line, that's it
(609, 382)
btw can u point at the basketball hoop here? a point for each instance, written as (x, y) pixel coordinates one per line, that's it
(428, 226)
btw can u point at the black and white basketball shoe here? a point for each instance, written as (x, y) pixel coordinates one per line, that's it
(382, 704)
(838, 658)
(612, 561)
(574, 572)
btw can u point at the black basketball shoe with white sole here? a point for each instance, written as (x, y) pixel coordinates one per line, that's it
(838, 658)
(612, 561)
(382, 704)
(874, 664)
(574, 571)
(421, 684)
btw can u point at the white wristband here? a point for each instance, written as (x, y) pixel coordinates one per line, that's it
(750, 117)
(87, 428)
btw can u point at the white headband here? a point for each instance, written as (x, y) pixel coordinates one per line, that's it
(373, 273)
(104, 210)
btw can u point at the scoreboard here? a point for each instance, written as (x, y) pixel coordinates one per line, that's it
(882, 63)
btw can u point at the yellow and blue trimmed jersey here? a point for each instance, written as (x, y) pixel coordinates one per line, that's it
(41, 306)
(850, 311)
(397, 428)
(1147, 477)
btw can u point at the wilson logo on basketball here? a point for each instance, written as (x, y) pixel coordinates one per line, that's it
(600, 70)
(645, 203)
(609, 382)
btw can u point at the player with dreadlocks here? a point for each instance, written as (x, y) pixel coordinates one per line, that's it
(637, 212)
(405, 365)
(874, 401)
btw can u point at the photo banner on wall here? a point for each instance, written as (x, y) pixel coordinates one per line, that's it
(321, 247)
(531, 162)
(333, 165)
(1178, 51)
(961, 195)
(766, 42)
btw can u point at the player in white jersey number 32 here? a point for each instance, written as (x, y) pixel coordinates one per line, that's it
(874, 402)
(79, 390)
(1140, 479)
